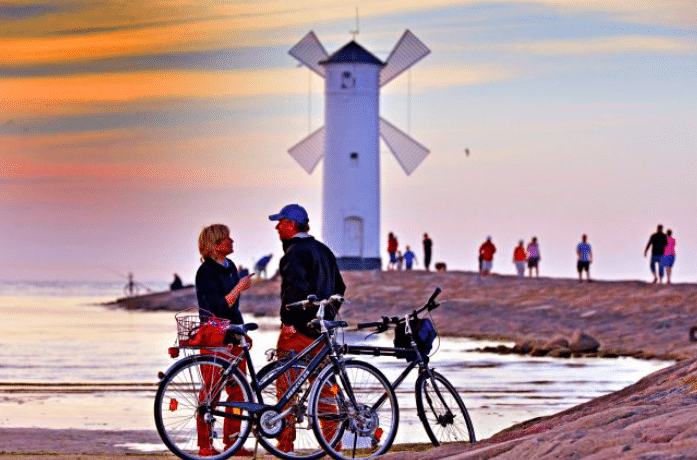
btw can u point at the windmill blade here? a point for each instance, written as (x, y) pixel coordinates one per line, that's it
(408, 152)
(310, 52)
(309, 151)
(408, 51)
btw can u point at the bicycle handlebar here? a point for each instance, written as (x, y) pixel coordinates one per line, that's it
(371, 324)
(312, 301)
(382, 325)
(432, 299)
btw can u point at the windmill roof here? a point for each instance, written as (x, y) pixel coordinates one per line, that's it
(352, 53)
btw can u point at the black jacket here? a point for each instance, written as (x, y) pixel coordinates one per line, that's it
(213, 283)
(307, 267)
(658, 241)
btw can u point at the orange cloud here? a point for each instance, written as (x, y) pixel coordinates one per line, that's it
(84, 93)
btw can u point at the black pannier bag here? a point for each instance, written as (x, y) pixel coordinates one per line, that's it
(424, 336)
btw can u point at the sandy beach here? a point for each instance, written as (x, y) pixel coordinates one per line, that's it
(653, 418)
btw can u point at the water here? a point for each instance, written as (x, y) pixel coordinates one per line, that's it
(67, 362)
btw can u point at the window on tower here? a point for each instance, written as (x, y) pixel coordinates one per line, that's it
(347, 80)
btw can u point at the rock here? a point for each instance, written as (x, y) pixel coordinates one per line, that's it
(523, 348)
(557, 342)
(583, 343)
(539, 352)
(560, 352)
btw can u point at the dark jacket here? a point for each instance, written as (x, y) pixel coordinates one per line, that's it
(307, 267)
(658, 243)
(213, 283)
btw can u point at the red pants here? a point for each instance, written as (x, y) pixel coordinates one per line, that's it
(290, 340)
(211, 374)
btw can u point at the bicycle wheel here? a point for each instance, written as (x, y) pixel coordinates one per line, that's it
(442, 411)
(354, 411)
(185, 397)
(299, 426)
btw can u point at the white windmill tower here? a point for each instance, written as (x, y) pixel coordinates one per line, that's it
(349, 142)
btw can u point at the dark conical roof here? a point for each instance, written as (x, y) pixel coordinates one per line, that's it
(352, 53)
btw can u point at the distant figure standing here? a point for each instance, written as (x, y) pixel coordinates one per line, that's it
(409, 258)
(392, 245)
(486, 255)
(519, 258)
(669, 254)
(533, 257)
(177, 283)
(585, 258)
(428, 246)
(657, 243)
(260, 266)
(400, 260)
(130, 289)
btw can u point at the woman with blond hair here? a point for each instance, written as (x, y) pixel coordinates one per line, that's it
(218, 289)
(218, 286)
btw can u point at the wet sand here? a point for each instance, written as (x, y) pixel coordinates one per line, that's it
(651, 419)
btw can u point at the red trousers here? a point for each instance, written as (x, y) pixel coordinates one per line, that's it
(290, 340)
(210, 376)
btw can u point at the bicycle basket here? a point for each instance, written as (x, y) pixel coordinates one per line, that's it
(187, 325)
(191, 332)
(424, 335)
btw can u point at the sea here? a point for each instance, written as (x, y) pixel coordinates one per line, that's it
(67, 360)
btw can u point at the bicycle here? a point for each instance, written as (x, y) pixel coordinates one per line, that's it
(346, 416)
(439, 407)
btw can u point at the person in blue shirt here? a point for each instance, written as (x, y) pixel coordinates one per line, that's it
(409, 258)
(585, 257)
(260, 266)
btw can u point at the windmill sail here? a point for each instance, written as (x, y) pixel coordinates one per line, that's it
(408, 51)
(310, 51)
(408, 152)
(309, 151)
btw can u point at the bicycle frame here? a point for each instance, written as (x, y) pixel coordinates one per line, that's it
(417, 358)
(329, 349)
(257, 387)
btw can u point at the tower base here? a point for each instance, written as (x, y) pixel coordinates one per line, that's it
(359, 263)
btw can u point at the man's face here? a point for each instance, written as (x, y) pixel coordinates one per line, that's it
(286, 229)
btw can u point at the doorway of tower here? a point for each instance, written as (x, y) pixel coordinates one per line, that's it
(353, 236)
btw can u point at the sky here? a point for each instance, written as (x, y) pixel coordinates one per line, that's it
(127, 126)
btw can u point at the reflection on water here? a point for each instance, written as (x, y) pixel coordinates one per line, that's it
(64, 340)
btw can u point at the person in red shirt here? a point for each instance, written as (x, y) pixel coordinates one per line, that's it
(519, 258)
(486, 253)
(392, 245)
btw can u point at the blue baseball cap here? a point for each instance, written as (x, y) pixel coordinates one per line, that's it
(293, 212)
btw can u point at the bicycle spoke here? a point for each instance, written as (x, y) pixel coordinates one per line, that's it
(348, 421)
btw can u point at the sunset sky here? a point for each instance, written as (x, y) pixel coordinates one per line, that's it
(127, 126)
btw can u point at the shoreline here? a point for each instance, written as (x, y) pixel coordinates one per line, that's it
(628, 318)
(653, 418)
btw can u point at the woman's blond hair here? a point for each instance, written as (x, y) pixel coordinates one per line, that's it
(209, 238)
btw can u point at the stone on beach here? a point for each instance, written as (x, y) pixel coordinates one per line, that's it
(583, 343)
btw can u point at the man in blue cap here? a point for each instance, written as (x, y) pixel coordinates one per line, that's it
(307, 267)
